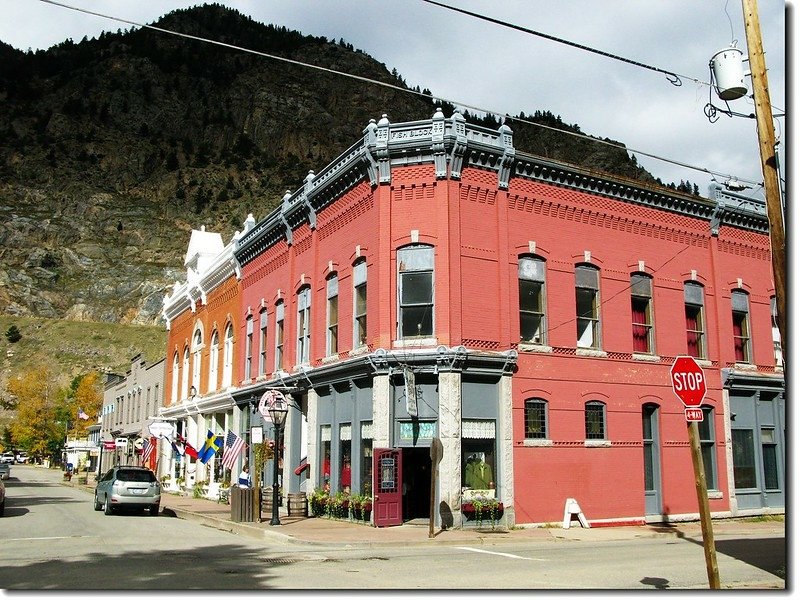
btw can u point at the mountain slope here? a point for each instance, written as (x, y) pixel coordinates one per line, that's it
(112, 149)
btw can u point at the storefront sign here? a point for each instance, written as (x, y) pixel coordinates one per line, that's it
(417, 430)
(161, 429)
(256, 435)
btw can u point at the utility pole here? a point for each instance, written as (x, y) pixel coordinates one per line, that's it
(769, 162)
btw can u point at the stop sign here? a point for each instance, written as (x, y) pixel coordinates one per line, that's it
(688, 381)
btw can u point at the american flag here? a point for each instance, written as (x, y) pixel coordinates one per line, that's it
(82, 414)
(149, 450)
(233, 446)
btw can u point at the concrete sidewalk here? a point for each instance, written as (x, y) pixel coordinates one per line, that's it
(324, 531)
(321, 530)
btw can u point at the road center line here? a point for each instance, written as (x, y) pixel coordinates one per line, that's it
(501, 554)
(46, 538)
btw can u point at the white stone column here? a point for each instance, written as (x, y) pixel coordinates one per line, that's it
(505, 446)
(381, 412)
(450, 435)
(313, 436)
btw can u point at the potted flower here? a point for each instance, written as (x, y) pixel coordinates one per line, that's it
(338, 505)
(318, 502)
(200, 488)
(360, 507)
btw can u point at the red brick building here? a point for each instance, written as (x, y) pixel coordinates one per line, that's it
(435, 285)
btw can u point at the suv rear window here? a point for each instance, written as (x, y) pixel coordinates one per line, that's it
(136, 476)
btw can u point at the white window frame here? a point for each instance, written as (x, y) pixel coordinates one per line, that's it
(332, 311)
(415, 260)
(359, 317)
(227, 357)
(303, 325)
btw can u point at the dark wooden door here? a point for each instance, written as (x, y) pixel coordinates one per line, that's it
(387, 506)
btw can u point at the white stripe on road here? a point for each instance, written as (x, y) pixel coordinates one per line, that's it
(501, 554)
(47, 538)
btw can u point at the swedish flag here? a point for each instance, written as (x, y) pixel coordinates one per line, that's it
(210, 447)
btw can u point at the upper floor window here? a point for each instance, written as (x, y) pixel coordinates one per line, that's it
(185, 374)
(741, 326)
(176, 368)
(360, 304)
(531, 300)
(227, 357)
(587, 304)
(197, 351)
(776, 333)
(535, 418)
(415, 283)
(248, 349)
(213, 362)
(695, 322)
(279, 308)
(595, 419)
(332, 341)
(262, 342)
(304, 325)
(642, 312)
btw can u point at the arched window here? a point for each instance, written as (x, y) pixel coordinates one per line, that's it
(304, 325)
(185, 374)
(695, 320)
(741, 326)
(332, 342)
(176, 368)
(197, 351)
(262, 342)
(248, 349)
(360, 304)
(595, 419)
(531, 300)
(279, 309)
(642, 312)
(213, 362)
(587, 304)
(536, 419)
(227, 357)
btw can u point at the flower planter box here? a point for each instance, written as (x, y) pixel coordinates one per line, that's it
(486, 514)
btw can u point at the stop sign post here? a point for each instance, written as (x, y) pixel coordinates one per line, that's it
(689, 385)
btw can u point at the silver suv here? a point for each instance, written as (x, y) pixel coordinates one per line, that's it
(130, 487)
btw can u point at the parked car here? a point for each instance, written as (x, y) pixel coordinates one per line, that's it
(2, 498)
(7, 457)
(22, 457)
(5, 471)
(129, 487)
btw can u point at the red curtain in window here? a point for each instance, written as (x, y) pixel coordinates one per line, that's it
(693, 348)
(738, 340)
(639, 331)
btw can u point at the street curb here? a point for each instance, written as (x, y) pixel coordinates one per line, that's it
(225, 525)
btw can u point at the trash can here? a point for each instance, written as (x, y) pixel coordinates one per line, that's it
(241, 504)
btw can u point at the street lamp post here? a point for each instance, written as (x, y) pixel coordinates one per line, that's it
(277, 412)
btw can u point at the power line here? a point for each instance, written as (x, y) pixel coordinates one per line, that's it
(488, 111)
(675, 79)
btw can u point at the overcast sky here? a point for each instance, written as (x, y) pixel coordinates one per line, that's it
(474, 62)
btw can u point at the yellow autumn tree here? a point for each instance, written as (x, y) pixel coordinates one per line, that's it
(40, 421)
(88, 398)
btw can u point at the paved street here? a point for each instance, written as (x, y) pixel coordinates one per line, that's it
(51, 538)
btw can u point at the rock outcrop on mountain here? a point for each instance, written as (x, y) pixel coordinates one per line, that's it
(113, 149)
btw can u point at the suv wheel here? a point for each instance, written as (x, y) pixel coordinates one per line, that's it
(107, 507)
(154, 509)
(97, 504)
